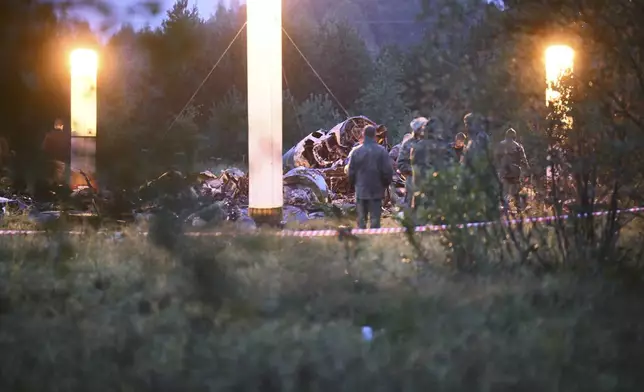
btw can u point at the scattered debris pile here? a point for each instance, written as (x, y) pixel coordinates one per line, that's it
(327, 153)
(196, 199)
(305, 187)
(314, 177)
(205, 197)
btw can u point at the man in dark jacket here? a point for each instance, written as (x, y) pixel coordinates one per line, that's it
(370, 172)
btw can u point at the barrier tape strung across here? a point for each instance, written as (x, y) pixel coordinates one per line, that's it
(380, 231)
(435, 228)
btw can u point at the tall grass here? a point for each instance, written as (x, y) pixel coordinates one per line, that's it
(260, 313)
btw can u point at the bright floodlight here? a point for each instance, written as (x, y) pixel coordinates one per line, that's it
(84, 67)
(559, 63)
(264, 46)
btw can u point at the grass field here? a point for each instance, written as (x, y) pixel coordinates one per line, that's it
(260, 313)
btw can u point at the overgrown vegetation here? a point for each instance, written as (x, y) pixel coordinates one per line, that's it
(264, 313)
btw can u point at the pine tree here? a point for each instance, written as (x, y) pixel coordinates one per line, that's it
(227, 126)
(318, 112)
(382, 98)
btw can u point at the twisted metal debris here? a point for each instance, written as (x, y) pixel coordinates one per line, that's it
(314, 179)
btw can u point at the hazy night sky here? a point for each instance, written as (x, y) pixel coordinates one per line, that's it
(206, 8)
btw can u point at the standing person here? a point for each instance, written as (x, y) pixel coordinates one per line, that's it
(398, 178)
(57, 149)
(459, 146)
(430, 155)
(478, 139)
(403, 162)
(510, 159)
(480, 176)
(395, 150)
(370, 172)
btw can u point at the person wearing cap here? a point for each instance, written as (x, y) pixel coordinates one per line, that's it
(370, 172)
(403, 162)
(510, 159)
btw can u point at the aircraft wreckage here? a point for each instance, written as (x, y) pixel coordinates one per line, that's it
(324, 155)
(325, 152)
(314, 179)
(314, 173)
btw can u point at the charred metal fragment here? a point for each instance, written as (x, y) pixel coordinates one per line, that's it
(327, 151)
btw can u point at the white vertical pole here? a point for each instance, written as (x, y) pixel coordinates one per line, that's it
(264, 47)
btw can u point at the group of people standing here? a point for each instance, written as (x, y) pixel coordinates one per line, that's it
(425, 151)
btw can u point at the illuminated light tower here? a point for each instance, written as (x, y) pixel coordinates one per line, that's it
(559, 64)
(264, 58)
(84, 69)
(559, 61)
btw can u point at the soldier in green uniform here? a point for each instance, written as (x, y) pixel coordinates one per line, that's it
(429, 156)
(395, 150)
(403, 163)
(478, 139)
(479, 177)
(511, 160)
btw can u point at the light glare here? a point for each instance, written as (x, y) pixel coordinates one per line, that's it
(559, 63)
(84, 61)
(84, 67)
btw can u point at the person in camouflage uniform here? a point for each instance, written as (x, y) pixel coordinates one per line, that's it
(428, 156)
(510, 160)
(398, 178)
(478, 139)
(370, 172)
(480, 175)
(395, 150)
(403, 162)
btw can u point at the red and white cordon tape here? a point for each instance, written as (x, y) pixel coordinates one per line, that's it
(380, 231)
(437, 228)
